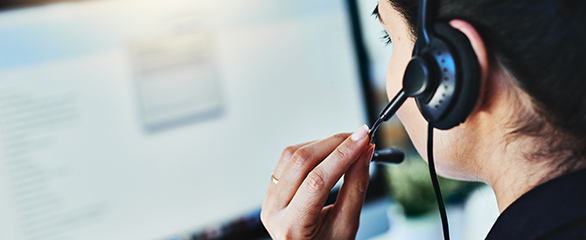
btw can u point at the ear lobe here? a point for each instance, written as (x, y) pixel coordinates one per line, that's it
(477, 45)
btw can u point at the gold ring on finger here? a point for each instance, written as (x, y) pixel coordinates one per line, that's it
(274, 179)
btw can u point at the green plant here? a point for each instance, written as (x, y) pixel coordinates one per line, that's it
(409, 185)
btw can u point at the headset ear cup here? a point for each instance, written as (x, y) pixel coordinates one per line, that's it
(467, 75)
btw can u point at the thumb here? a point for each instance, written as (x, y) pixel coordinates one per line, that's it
(351, 197)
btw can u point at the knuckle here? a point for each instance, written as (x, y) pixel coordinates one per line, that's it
(295, 230)
(362, 186)
(342, 151)
(316, 181)
(301, 156)
(288, 234)
(288, 152)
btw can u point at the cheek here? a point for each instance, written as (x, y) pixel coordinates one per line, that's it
(415, 125)
(409, 115)
(395, 71)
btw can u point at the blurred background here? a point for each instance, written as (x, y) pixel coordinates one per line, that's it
(163, 119)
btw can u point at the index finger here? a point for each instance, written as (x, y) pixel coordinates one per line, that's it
(303, 160)
(286, 156)
(313, 192)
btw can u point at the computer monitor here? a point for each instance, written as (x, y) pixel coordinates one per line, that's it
(134, 119)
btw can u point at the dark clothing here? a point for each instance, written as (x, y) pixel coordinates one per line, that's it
(553, 210)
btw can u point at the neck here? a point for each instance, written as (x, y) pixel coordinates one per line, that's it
(511, 176)
(504, 164)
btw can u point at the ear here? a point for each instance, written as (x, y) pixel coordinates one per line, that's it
(487, 88)
(477, 44)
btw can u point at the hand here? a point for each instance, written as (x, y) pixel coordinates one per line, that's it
(294, 206)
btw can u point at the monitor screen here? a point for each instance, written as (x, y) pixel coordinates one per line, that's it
(134, 119)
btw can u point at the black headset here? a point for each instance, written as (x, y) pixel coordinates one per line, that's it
(444, 78)
(443, 75)
(444, 60)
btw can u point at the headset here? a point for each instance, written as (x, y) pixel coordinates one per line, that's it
(444, 78)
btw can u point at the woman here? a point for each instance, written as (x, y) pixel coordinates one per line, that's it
(526, 137)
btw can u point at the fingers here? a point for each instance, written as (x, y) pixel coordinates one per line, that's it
(311, 196)
(294, 208)
(286, 156)
(293, 167)
(301, 162)
(351, 196)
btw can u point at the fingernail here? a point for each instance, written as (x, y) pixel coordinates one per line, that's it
(360, 133)
(369, 158)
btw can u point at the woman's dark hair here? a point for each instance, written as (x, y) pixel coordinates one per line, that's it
(542, 44)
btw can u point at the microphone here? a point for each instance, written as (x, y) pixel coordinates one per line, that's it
(389, 111)
(388, 156)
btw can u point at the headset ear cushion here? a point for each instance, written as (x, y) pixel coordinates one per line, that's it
(467, 75)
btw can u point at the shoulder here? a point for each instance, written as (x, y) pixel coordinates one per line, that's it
(553, 210)
(570, 231)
